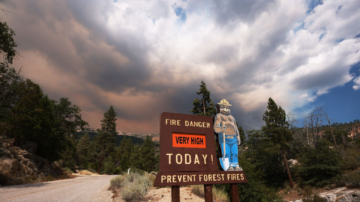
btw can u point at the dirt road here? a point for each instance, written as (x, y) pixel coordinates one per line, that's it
(81, 188)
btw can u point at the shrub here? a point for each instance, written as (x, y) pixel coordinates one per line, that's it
(49, 178)
(91, 170)
(320, 165)
(68, 170)
(134, 186)
(116, 182)
(349, 178)
(138, 171)
(117, 171)
(198, 190)
(219, 195)
(85, 172)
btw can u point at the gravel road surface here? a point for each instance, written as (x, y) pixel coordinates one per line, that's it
(81, 188)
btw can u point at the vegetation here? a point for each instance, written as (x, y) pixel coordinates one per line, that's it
(204, 106)
(134, 186)
(219, 194)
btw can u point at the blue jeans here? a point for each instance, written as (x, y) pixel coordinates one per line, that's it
(231, 151)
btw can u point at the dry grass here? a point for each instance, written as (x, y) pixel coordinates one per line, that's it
(219, 195)
(198, 190)
(85, 172)
(133, 186)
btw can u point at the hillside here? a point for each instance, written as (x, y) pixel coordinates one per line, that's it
(119, 138)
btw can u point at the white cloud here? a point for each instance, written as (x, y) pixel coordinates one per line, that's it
(140, 47)
(357, 83)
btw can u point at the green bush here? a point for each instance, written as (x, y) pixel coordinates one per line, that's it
(349, 179)
(319, 165)
(117, 171)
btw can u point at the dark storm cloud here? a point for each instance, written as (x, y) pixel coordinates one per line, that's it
(108, 49)
(244, 10)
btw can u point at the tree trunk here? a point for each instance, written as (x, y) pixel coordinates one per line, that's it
(204, 106)
(344, 141)
(288, 171)
(101, 159)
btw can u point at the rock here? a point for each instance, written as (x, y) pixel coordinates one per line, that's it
(29, 146)
(341, 194)
(292, 162)
(19, 166)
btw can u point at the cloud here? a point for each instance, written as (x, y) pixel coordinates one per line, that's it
(357, 83)
(137, 57)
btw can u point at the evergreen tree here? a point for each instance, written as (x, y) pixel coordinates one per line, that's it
(120, 151)
(277, 131)
(136, 159)
(83, 150)
(203, 106)
(108, 124)
(67, 120)
(241, 133)
(109, 166)
(105, 146)
(7, 43)
(129, 149)
(124, 163)
(68, 154)
(105, 141)
(319, 165)
(148, 154)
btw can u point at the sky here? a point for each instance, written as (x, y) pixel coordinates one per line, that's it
(148, 57)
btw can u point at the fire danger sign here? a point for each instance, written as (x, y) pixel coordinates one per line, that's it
(187, 152)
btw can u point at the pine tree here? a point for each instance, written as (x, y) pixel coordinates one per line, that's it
(277, 131)
(105, 143)
(124, 163)
(203, 106)
(136, 159)
(241, 133)
(128, 149)
(107, 135)
(109, 166)
(108, 124)
(83, 150)
(120, 151)
(148, 154)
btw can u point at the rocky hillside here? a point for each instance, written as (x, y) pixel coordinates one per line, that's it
(341, 194)
(19, 165)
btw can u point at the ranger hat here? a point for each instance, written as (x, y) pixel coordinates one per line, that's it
(224, 102)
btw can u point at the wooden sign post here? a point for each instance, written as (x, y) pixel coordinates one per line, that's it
(188, 155)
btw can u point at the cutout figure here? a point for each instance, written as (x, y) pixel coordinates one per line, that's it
(229, 137)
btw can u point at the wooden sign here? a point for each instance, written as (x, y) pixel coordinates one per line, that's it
(187, 143)
(189, 178)
(188, 154)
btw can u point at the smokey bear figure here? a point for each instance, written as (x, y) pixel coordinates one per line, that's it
(229, 137)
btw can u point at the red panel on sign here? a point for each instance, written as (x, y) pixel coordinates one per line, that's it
(188, 140)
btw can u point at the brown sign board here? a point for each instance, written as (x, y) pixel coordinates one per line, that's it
(187, 143)
(187, 153)
(191, 178)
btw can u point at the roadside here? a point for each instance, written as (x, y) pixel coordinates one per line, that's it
(80, 188)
